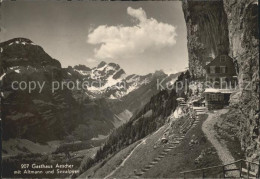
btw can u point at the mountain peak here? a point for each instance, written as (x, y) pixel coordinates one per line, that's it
(21, 39)
(18, 40)
(159, 73)
(23, 52)
(114, 65)
(101, 64)
(82, 67)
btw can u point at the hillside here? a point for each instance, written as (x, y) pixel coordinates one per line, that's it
(29, 114)
(66, 111)
(150, 157)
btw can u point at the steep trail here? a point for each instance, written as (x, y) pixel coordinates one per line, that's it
(122, 164)
(174, 142)
(130, 154)
(222, 151)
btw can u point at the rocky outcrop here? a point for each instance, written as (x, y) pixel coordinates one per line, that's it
(207, 32)
(233, 25)
(243, 35)
(23, 52)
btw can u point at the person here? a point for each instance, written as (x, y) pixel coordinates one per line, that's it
(67, 154)
(164, 139)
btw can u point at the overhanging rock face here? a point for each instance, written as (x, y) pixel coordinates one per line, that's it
(206, 30)
(233, 24)
(244, 41)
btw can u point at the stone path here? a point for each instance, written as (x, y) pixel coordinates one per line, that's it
(223, 152)
(172, 144)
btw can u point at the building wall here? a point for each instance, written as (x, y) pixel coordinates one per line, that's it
(224, 68)
(216, 100)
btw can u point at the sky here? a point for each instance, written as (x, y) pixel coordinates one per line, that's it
(139, 36)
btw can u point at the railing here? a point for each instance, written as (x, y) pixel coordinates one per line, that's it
(224, 170)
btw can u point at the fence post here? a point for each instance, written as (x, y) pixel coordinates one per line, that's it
(258, 173)
(203, 174)
(248, 170)
(184, 175)
(223, 171)
(241, 169)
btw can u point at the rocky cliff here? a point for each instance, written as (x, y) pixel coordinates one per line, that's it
(243, 35)
(229, 26)
(206, 32)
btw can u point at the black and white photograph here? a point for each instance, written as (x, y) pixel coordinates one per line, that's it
(129, 89)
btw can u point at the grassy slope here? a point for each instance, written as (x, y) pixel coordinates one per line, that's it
(179, 159)
(13, 147)
(183, 157)
(227, 129)
(103, 168)
(144, 153)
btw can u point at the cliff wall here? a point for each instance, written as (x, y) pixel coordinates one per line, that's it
(243, 35)
(206, 31)
(230, 26)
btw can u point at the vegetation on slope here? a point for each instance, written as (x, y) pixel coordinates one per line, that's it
(146, 121)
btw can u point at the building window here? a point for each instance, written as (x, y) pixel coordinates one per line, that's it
(216, 83)
(212, 69)
(227, 80)
(210, 97)
(222, 79)
(226, 69)
(217, 69)
(222, 58)
(221, 97)
(215, 97)
(223, 69)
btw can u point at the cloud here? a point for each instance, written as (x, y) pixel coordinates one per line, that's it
(137, 13)
(91, 60)
(122, 41)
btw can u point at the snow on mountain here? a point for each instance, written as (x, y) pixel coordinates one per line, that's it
(48, 112)
(110, 80)
(22, 41)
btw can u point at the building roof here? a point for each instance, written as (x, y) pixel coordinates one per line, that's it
(180, 99)
(217, 62)
(223, 91)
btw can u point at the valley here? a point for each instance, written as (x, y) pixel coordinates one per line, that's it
(105, 123)
(60, 118)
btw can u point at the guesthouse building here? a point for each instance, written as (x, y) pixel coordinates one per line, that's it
(221, 80)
